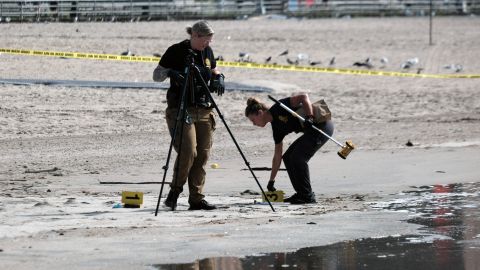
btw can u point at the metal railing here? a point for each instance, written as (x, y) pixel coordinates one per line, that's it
(135, 10)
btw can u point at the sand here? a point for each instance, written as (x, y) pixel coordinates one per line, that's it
(61, 145)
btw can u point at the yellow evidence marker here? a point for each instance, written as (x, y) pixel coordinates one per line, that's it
(132, 199)
(274, 196)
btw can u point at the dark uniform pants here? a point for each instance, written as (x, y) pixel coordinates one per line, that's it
(299, 153)
(196, 144)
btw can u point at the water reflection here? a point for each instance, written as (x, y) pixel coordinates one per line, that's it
(450, 239)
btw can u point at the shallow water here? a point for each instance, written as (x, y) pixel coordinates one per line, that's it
(450, 238)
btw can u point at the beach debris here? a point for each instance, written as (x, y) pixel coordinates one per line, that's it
(42, 171)
(358, 197)
(44, 203)
(311, 223)
(157, 55)
(314, 63)
(249, 192)
(215, 166)
(70, 201)
(219, 58)
(268, 59)
(117, 205)
(409, 143)
(410, 63)
(263, 169)
(130, 183)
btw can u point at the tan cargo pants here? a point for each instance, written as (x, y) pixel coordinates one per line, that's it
(196, 144)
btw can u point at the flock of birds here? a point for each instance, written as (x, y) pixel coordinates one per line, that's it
(303, 59)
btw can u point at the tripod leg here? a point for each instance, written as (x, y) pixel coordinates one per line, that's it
(179, 120)
(181, 117)
(165, 169)
(206, 89)
(241, 153)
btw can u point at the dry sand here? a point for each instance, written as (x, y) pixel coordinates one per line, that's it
(64, 217)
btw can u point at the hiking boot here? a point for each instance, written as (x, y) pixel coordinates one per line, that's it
(289, 199)
(171, 200)
(302, 199)
(201, 205)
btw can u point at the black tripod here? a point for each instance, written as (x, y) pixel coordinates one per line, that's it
(182, 118)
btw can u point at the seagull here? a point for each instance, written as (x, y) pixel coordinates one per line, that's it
(292, 62)
(367, 63)
(332, 61)
(455, 67)
(458, 68)
(127, 53)
(244, 57)
(284, 53)
(302, 57)
(384, 61)
(410, 63)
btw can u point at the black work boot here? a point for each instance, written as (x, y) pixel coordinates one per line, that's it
(171, 200)
(291, 198)
(201, 205)
(305, 199)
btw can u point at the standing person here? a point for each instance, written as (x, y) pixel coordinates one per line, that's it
(199, 121)
(299, 153)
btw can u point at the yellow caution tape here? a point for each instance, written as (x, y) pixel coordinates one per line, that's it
(345, 71)
(97, 56)
(114, 57)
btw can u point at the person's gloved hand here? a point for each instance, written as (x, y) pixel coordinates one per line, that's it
(270, 186)
(217, 84)
(177, 77)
